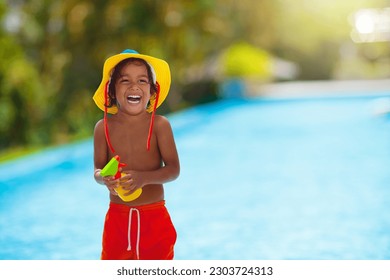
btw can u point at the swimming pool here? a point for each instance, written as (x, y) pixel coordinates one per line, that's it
(261, 179)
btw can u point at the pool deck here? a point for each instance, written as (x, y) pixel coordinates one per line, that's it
(299, 89)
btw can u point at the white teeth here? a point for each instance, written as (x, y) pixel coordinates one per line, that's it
(133, 98)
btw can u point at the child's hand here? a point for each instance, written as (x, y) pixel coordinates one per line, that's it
(111, 183)
(132, 180)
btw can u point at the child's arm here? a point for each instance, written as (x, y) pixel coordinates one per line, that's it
(166, 144)
(101, 158)
(171, 168)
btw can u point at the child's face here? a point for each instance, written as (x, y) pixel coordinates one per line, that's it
(133, 88)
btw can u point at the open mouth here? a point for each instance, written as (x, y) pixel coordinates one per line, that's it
(134, 99)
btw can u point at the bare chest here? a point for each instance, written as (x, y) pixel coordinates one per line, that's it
(129, 143)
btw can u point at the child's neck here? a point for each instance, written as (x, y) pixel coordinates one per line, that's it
(128, 117)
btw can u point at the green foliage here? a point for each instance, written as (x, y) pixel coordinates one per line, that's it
(21, 95)
(200, 92)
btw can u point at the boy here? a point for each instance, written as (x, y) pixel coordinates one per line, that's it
(132, 86)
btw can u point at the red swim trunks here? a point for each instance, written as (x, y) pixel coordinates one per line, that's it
(141, 232)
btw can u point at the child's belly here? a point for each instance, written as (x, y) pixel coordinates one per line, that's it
(150, 194)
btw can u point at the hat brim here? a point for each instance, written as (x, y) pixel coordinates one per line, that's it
(161, 69)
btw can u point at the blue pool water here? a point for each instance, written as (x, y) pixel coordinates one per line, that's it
(260, 179)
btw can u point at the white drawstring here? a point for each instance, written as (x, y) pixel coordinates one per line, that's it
(138, 231)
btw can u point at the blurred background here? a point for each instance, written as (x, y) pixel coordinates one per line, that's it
(280, 110)
(52, 54)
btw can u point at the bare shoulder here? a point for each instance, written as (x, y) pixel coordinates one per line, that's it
(99, 128)
(162, 123)
(99, 125)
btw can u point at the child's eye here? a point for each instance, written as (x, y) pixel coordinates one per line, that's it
(143, 81)
(124, 81)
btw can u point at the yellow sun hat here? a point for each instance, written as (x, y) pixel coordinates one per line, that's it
(161, 77)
